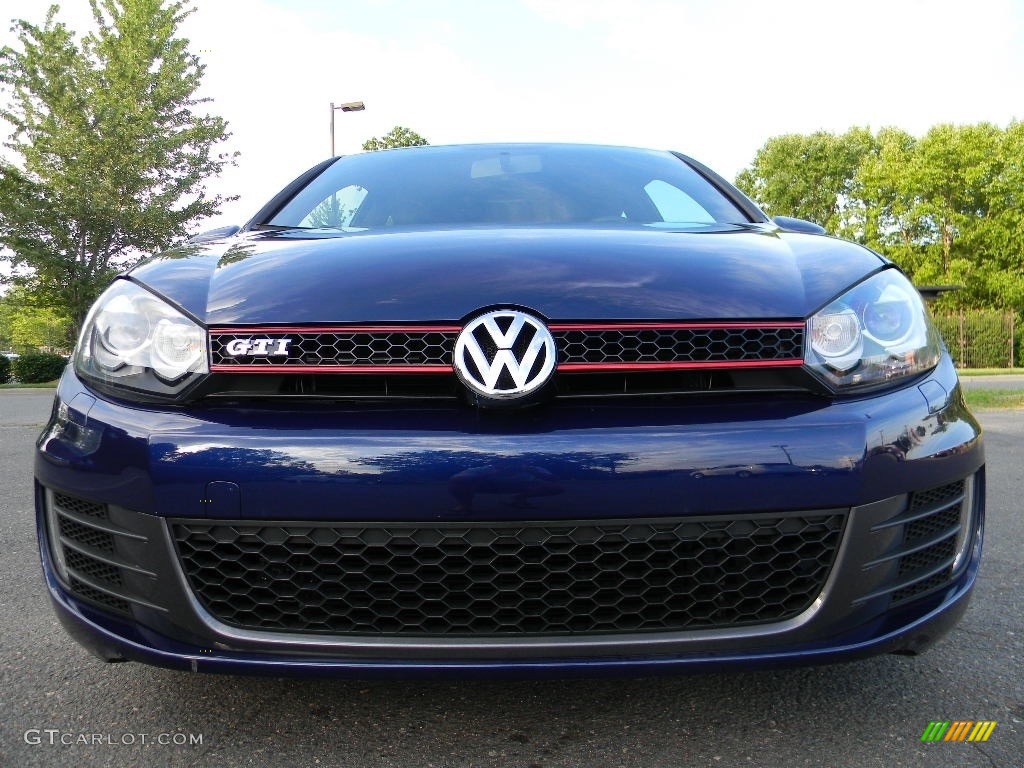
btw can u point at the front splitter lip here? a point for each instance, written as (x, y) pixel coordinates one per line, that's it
(106, 643)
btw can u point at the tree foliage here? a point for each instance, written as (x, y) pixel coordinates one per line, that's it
(807, 176)
(111, 153)
(948, 207)
(396, 137)
(25, 326)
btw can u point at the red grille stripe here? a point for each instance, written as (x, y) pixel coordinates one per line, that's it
(289, 369)
(687, 366)
(562, 368)
(667, 326)
(249, 331)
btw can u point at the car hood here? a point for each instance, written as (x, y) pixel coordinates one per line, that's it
(731, 272)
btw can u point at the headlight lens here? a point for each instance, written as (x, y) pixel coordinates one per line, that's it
(132, 340)
(877, 333)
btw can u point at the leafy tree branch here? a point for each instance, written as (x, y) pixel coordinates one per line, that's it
(112, 147)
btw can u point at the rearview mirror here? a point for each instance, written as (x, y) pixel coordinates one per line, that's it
(214, 234)
(790, 224)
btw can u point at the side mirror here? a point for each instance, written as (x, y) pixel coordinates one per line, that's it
(215, 234)
(789, 224)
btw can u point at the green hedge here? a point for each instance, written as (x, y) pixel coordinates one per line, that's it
(5, 370)
(37, 367)
(979, 338)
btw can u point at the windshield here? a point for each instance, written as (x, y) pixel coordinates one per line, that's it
(507, 185)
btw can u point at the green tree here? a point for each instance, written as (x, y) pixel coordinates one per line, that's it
(949, 176)
(1002, 272)
(810, 176)
(941, 206)
(948, 207)
(112, 155)
(883, 195)
(396, 137)
(25, 326)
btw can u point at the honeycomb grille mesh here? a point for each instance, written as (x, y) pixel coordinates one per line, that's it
(936, 497)
(83, 548)
(944, 526)
(340, 349)
(932, 525)
(687, 345)
(493, 579)
(576, 346)
(80, 506)
(98, 596)
(93, 568)
(86, 535)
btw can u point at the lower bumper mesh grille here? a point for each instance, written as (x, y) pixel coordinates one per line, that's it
(103, 562)
(488, 579)
(923, 543)
(931, 566)
(105, 599)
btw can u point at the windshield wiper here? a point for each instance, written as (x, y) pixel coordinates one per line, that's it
(276, 227)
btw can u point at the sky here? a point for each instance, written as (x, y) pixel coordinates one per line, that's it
(714, 79)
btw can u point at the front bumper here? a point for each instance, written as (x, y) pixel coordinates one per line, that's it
(876, 463)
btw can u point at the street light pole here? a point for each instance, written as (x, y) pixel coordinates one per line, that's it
(349, 106)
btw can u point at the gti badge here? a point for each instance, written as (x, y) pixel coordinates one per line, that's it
(258, 347)
(505, 354)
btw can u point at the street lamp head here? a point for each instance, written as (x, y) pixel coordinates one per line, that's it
(348, 106)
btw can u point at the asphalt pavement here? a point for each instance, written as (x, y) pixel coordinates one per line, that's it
(999, 381)
(61, 706)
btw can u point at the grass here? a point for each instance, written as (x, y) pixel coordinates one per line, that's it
(18, 385)
(988, 371)
(994, 398)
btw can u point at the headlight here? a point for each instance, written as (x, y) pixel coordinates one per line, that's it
(132, 340)
(876, 333)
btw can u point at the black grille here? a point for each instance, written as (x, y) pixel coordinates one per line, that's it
(85, 535)
(931, 525)
(340, 348)
(928, 558)
(943, 527)
(80, 506)
(410, 348)
(919, 588)
(99, 596)
(493, 579)
(681, 345)
(936, 497)
(93, 568)
(427, 386)
(92, 556)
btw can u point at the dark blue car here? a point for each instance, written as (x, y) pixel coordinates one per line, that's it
(509, 410)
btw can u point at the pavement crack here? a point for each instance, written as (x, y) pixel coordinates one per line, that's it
(988, 757)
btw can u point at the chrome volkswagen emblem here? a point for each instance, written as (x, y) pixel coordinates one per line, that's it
(505, 354)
